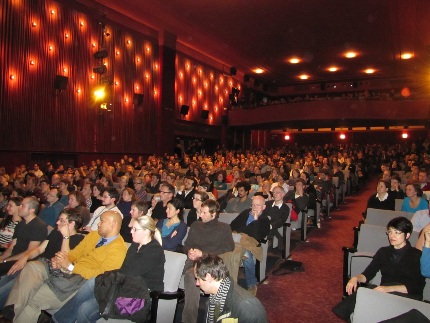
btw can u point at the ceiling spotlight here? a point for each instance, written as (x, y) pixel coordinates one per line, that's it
(303, 77)
(258, 71)
(406, 56)
(100, 69)
(100, 54)
(332, 69)
(350, 54)
(294, 60)
(369, 71)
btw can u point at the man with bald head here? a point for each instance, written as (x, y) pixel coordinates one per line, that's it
(251, 222)
(100, 251)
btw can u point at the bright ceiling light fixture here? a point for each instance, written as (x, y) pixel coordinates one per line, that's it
(333, 69)
(294, 60)
(350, 54)
(369, 71)
(258, 70)
(406, 56)
(303, 77)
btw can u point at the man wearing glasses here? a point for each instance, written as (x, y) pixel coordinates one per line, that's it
(166, 194)
(251, 222)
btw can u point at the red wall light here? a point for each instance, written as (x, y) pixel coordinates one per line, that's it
(287, 137)
(342, 136)
(404, 135)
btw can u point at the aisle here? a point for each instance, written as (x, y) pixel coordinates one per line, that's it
(309, 296)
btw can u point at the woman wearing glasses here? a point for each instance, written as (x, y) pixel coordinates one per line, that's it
(399, 264)
(145, 258)
(173, 229)
(198, 198)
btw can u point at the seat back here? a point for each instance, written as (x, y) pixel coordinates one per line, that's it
(398, 205)
(185, 215)
(221, 193)
(173, 268)
(382, 217)
(374, 306)
(227, 217)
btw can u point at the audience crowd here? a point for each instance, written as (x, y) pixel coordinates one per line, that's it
(143, 202)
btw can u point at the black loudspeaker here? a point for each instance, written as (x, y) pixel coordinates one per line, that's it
(137, 99)
(205, 114)
(60, 82)
(233, 70)
(246, 78)
(102, 53)
(184, 109)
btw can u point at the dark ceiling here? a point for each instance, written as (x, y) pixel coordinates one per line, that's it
(249, 34)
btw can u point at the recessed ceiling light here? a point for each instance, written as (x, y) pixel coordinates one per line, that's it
(303, 77)
(369, 71)
(406, 56)
(332, 69)
(350, 54)
(258, 71)
(294, 60)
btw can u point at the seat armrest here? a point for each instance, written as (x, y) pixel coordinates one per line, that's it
(167, 295)
(346, 252)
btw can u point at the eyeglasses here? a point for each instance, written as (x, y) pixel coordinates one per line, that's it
(135, 229)
(165, 192)
(196, 199)
(137, 183)
(256, 205)
(395, 232)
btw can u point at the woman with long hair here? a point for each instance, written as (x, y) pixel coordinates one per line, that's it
(7, 226)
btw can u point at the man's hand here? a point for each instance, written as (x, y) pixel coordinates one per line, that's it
(194, 254)
(17, 265)
(62, 259)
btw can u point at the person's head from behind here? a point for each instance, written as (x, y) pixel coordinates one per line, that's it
(209, 271)
(398, 231)
(209, 210)
(71, 218)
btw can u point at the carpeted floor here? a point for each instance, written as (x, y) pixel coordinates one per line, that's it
(308, 296)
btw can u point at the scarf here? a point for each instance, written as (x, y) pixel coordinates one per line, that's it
(218, 299)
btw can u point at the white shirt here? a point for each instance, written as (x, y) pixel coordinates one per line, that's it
(95, 219)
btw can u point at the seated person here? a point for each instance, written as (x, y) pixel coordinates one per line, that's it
(190, 184)
(138, 209)
(21, 288)
(29, 234)
(52, 210)
(167, 192)
(194, 213)
(395, 187)
(309, 190)
(298, 197)
(77, 202)
(256, 226)
(227, 299)
(414, 201)
(220, 184)
(99, 251)
(145, 258)
(205, 236)
(280, 181)
(7, 226)
(173, 229)
(241, 201)
(264, 191)
(383, 199)
(154, 200)
(277, 212)
(126, 200)
(425, 257)
(399, 264)
(109, 198)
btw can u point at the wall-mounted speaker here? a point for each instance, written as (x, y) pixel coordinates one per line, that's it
(60, 82)
(184, 109)
(137, 99)
(205, 114)
(233, 70)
